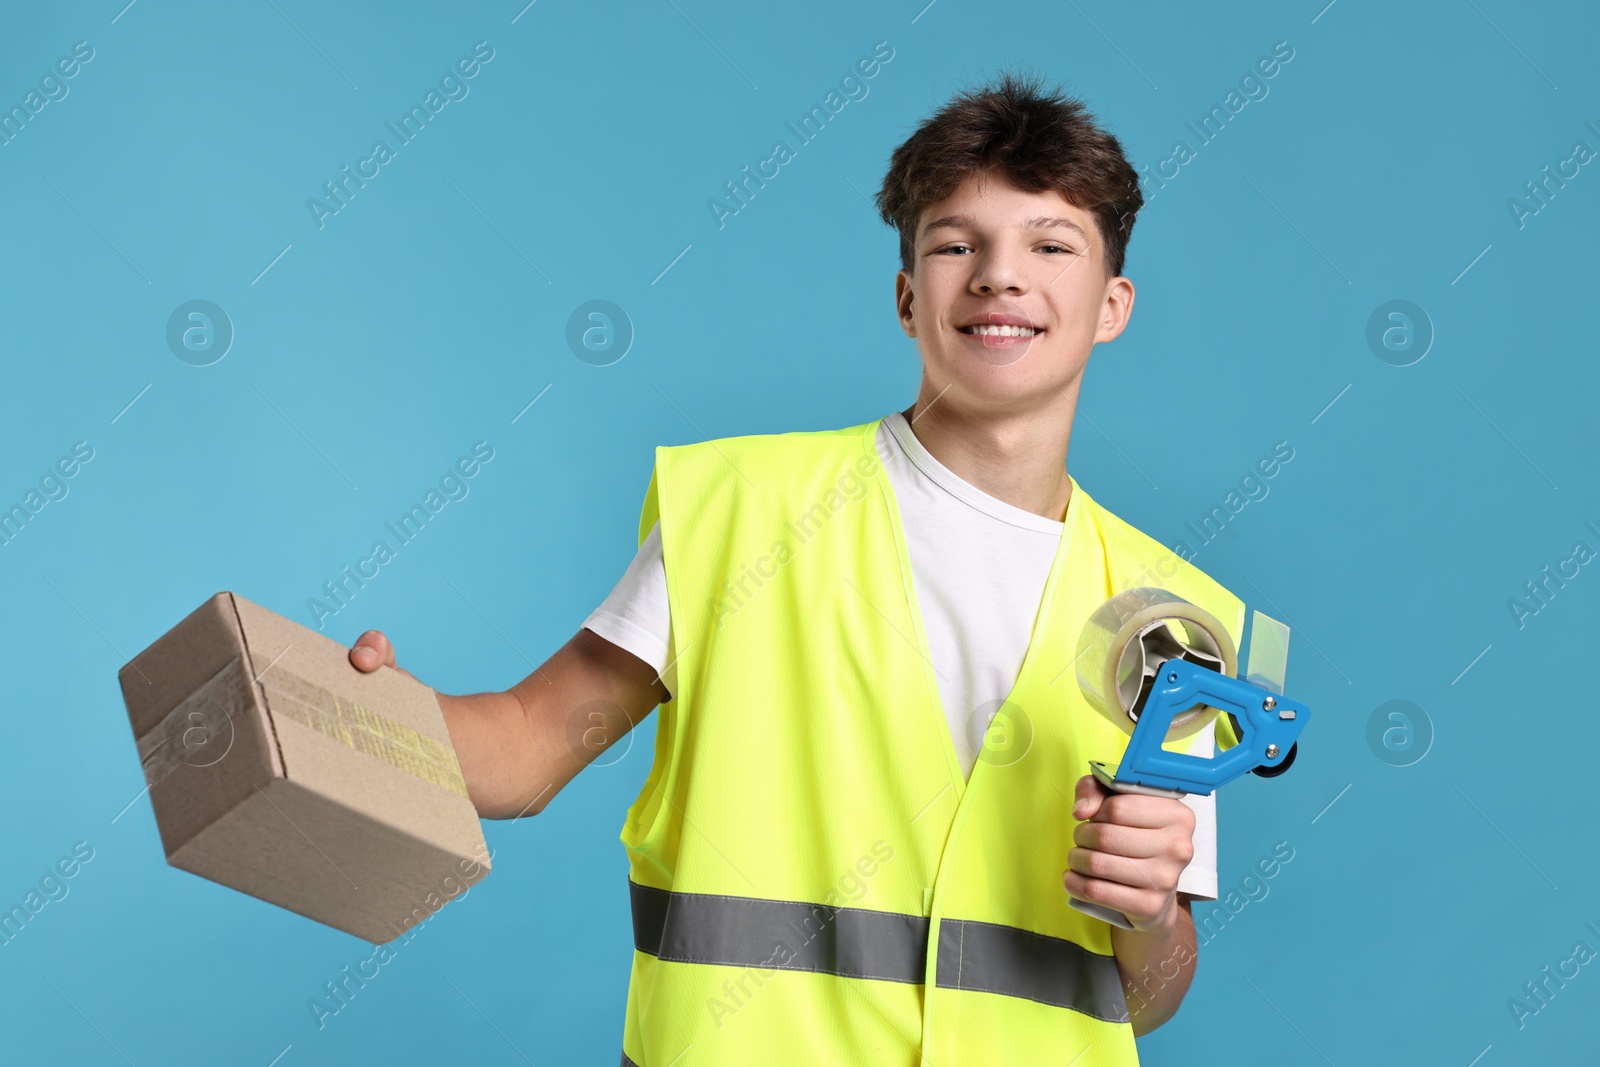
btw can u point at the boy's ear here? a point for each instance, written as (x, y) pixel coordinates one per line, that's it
(903, 296)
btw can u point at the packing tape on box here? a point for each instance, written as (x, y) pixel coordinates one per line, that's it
(199, 731)
(360, 728)
(1130, 635)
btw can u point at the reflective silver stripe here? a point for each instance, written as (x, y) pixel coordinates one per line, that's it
(778, 935)
(991, 958)
(858, 943)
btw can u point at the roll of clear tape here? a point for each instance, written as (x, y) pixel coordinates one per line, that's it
(1130, 635)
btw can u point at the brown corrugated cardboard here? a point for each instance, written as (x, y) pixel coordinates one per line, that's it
(277, 768)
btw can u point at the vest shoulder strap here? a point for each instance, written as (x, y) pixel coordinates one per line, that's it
(768, 459)
(1137, 559)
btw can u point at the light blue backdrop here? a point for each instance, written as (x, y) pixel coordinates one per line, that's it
(1440, 860)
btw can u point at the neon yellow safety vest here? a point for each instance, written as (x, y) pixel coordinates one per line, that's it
(812, 879)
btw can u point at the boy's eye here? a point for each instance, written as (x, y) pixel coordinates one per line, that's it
(955, 249)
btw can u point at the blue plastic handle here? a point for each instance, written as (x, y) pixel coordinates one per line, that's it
(1265, 719)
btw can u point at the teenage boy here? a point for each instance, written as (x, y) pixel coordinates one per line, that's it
(865, 814)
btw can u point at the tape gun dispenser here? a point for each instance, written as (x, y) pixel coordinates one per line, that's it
(1162, 669)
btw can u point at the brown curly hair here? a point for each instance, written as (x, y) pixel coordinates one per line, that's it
(1037, 139)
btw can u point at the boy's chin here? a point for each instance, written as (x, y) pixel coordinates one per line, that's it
(991, 393)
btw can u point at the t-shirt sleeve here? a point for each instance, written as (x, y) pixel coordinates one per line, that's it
(1199, 878)
(634, 617)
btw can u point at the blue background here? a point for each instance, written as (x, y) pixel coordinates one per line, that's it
(432, 309)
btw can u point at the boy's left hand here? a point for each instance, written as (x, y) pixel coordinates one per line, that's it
(1130, 851)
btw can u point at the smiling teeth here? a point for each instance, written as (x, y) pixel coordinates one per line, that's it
(985, 330)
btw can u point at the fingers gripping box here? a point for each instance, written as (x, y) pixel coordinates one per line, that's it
(278, 769)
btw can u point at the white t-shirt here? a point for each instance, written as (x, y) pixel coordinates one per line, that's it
(978, 568)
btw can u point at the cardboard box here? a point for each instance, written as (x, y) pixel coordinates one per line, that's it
(276, 768)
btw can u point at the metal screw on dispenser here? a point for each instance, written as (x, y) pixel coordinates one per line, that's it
(1268, 704)
(1272, 751)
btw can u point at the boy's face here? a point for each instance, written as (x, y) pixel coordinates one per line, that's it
(991, 258)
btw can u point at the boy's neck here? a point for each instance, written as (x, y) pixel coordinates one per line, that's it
(1018, 457)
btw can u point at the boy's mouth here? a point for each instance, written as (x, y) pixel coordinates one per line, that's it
(989, 329)
(999, 330)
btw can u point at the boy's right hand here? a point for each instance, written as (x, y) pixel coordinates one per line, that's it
(518, 748)
(373, 650)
